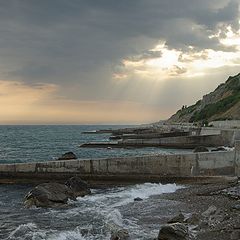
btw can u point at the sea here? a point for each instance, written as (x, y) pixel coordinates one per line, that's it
(90, 217)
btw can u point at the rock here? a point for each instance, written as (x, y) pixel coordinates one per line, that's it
(210, 211)
(235, 235)
(68, 156)
(216, 218)
(236, 206)
(232, 192)
(218, 149)
(121, 234)
(49, 195)
(200, 149)
(178, 218)
(115, 137)
(137, 199)
(193, 219)
(79, 187)
(173, 231)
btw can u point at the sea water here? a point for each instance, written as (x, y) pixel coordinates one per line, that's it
(91, 217)
(48, 142)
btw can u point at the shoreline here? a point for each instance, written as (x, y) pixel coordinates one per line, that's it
(224, 224)
(193, 198)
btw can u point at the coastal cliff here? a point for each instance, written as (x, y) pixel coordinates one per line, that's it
(221, 104)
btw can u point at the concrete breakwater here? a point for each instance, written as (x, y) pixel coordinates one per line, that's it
(207, 137)
(172, 167)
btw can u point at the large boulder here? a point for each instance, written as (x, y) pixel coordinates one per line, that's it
(173, 231)
(68, 156)
(49, 195)
(200, 149)
(78, 186)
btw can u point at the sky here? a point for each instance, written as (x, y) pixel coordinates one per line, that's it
(112, 62)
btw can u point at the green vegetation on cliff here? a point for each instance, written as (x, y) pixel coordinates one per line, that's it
(220, 104)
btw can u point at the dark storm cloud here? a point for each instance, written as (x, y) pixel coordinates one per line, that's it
(79, 40)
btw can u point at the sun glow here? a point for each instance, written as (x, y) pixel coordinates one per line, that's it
(161, 62)
(168, 59)
(232, 38)
(22, 103)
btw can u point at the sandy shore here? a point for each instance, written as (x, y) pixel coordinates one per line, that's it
(221, 224)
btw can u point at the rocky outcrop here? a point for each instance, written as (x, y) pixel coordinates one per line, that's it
(68, 156)
(56, 194)
(223, 103)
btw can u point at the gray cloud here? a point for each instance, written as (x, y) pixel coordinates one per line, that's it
(76, 42)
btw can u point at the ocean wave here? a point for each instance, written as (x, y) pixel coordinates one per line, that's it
(121, 196)
(95, 216)
(26, 232)
(68, 235)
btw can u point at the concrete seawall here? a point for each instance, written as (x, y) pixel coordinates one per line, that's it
(143, 168)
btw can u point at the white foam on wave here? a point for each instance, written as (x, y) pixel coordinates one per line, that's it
(31, 231)
(229, 148)
(115, 217)
(68, 235)
(114, 220)
(102, 208)
(77, 234)
(123, 196)
(27, 231)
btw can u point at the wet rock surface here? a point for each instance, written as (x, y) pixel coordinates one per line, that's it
(78, 186)
(48, 195)
(56, 194)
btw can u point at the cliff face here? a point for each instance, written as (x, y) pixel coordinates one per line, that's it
(221, 104)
